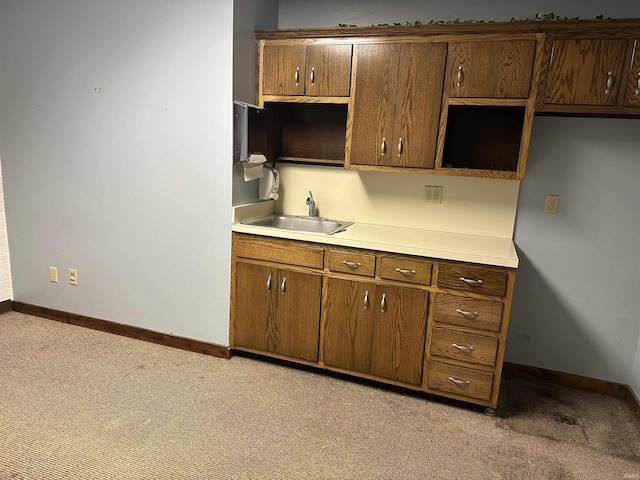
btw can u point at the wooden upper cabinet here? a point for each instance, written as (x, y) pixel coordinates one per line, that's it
(314, 70)
(585, 72)
(396, 104)
(491, 69)
(632, 98)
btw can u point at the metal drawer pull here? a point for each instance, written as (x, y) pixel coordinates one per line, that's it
(637, 91)
(463, 383)
(470, 281)
(462, 348)
(366, 300)
(609, 82)
(297, 75)
(400, 148)
(464, 313)
(383, 303)
(283, 286)
(460, 77)
(312, 76)
(406, 272)
(383, 147)
(269, 283)
(352, 264)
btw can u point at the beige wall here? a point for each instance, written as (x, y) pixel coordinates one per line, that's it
(6, 290)
(474, 206)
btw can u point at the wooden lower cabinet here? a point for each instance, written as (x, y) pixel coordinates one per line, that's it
(375, 328)
(429, 325)
(277, 310)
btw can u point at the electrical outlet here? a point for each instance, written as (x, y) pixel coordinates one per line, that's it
(551, 204)
(53, 274)
(432, 194)
(73, 276)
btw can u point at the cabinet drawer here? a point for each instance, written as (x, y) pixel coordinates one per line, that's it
(476, 280)
(281, 252)
(464, 346)
(406, 269)
(348, 262)
(468, 312)
(460, 380)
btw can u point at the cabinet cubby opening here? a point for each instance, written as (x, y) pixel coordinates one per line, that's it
(310, 132)
(483, 137)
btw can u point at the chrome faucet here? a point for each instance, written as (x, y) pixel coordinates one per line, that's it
(312, 205)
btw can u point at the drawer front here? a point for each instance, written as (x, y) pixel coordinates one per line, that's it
(287, 253)
(348, 262)
(464, 346)
(468, 312)
(472, 279)
(460, 380)
(406, 269)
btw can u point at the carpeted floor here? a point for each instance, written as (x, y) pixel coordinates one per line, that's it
(81, 404)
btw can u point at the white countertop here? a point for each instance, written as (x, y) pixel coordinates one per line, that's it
(427, 243)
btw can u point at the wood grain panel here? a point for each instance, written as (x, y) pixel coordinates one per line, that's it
(492, 69)
(398, 343)
(281, 252)
(331, 67)
(417, 112)
(471, 348)
(632, 98)
(254, 310)
(279, 63)
(482, 314)
(374, 103)
(493, 282)
(348, 325)
(478, 386)
(579, 71)
(406, 269)
(297, 326)
(349, 262)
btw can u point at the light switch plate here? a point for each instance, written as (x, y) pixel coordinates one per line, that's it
(433, 194)
(53, 274)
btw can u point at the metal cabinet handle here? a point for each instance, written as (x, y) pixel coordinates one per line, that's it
(637, 90)
(383, 147)
(352, 264)
(609, 82)
(470, 281)
(366, 300)
(283, 285)
(406, 272)
(297, 75)
(269, 284)
(459, 77)
(312, 76)
(400, 147)
(459, 382)
(462, 348)
(464, 313)
(383, 303)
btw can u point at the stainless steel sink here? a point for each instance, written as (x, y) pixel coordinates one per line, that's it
(299, 223)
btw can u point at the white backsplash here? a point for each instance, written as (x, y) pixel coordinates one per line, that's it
(476, 206)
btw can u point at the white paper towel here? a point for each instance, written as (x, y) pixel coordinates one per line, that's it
(253, 167)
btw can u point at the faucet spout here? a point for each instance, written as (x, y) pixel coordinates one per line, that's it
(312, 205)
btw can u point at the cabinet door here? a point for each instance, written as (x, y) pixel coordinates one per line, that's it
(418, 103)
(283, 70)
(297, 323)
(328, 70)
(399, 329)
(585, 72)
(253, 321)
(374, 103)
(632, 98)
(348, 324)
(500, 69)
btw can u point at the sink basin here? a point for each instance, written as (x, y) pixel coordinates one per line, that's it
(300, 224)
